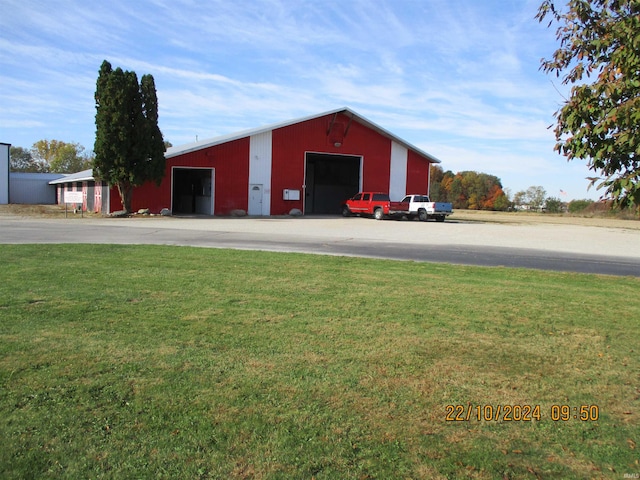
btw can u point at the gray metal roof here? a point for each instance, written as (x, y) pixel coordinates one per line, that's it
(83, 176)
(36, 176)
(195, 146)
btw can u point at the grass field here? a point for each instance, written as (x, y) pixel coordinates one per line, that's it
(170, 362)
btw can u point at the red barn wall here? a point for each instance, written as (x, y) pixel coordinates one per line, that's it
(418, 171)
(231, 189)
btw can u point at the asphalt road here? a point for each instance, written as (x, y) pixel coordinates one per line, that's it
(569, 248)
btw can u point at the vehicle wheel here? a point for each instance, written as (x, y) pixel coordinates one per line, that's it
(345, 211)
(422, 215)
(440, 218)
(378, 214)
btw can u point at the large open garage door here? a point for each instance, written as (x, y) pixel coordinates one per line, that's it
(192, 191)
(330, 179)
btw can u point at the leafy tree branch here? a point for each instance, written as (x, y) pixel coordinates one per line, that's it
(599, 54)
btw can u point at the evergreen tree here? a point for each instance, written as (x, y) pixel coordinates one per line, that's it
(156, 144)
(129, 149)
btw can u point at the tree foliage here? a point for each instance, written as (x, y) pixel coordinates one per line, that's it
(129, 148)
(599, 54)
(577, 206)
(554, 205)
(467, 190)
(22, 161)
(533, 198)
(62, 157)
(50, 156)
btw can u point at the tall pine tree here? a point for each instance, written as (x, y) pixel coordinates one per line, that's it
(129, 148)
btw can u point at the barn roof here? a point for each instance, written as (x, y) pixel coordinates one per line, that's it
(195, 146)
(83, 176)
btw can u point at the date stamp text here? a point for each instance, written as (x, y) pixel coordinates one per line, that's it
(521, 413)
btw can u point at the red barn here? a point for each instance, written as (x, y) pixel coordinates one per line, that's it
(311, 164)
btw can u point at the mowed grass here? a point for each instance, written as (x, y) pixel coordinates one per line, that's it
(173, 362)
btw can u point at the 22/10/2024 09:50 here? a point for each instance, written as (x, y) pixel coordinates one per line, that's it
(520, 413)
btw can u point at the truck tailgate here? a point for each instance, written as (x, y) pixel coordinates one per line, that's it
(442, 207)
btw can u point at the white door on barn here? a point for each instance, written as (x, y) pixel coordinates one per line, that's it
(255, 199)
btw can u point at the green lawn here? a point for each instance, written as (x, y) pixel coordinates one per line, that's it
(172, 362)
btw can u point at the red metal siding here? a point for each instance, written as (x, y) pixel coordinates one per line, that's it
(148, 195)
(292, 142)
(418, 172)
(231, 188)
(231, 161)
(114, 199)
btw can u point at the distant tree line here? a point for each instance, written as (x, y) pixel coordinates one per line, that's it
(480, 191)
(50, 156)
(468, 190)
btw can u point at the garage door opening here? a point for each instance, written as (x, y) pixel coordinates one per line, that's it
(192, 191)
(330, 179)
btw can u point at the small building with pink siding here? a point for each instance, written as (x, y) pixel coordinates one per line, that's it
(95, 194)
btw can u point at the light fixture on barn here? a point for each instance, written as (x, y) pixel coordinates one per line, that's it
(337, 132)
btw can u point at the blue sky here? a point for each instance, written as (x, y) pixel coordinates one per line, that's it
(459, 79)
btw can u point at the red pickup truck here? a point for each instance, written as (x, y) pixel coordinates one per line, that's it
(373, 203)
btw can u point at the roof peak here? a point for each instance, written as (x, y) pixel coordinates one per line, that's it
(210, 142)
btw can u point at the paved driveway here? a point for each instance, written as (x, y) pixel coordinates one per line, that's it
(561, 247)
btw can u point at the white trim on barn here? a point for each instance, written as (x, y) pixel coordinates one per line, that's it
(260, 157)
(398, 174)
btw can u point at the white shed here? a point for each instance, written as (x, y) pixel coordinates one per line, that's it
(4, 173)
